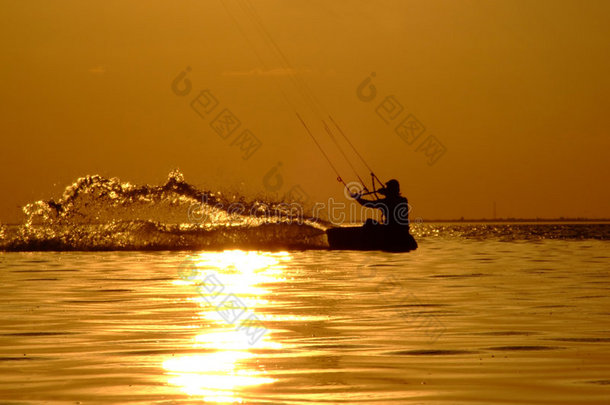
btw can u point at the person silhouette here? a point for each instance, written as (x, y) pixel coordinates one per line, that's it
(392, 235)
(394, 207)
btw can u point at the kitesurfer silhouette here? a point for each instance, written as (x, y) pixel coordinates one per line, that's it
(394, 207)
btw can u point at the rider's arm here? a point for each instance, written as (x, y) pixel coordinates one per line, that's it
(378, 203)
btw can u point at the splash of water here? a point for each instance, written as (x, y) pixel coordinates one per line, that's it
(97, 213)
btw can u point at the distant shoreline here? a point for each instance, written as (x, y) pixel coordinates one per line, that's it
(522, 220)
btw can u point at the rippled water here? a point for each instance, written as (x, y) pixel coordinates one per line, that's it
(459, 321)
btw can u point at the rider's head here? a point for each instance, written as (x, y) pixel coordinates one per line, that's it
(392, 188)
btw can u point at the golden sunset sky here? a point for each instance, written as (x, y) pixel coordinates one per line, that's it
(517, 92)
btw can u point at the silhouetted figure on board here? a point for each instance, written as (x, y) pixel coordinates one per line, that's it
(392, 234)
(394, 207)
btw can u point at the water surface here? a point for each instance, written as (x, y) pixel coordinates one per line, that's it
(462, 320)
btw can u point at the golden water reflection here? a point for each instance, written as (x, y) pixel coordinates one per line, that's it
(221, 369)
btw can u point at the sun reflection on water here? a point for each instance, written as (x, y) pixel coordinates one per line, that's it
(223, 367)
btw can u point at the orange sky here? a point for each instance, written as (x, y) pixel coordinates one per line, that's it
(516, 91)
